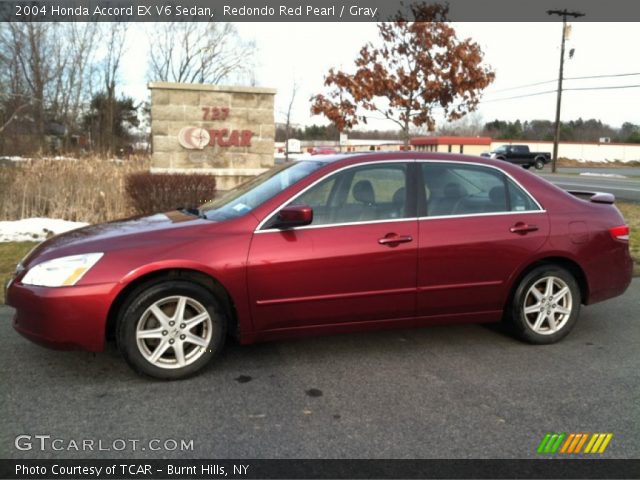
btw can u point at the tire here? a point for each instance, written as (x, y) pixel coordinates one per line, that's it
(526, 166)
(171, 348)
(553, 322)
(539, 164)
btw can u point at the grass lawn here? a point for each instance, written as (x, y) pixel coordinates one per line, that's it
(10, 254)
(631, 213)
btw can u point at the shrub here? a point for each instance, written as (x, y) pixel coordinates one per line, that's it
(8, 174)
(150, 193)
(86, 190)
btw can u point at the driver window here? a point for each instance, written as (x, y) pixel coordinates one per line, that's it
(359, 194)
(318, 198)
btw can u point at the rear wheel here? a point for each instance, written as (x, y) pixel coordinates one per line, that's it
(171, 329)
(546, 305)
(539, 164)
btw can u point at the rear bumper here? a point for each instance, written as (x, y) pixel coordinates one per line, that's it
(609, 275)
(65, 318)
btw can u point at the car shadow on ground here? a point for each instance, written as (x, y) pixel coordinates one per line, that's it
(386, 347)
(84, 367)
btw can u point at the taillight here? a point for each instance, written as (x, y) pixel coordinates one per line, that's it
(620, 233)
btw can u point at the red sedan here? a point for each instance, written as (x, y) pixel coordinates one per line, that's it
(330, 245)
(323, 151)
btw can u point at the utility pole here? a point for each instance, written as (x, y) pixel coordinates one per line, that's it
(556, 139)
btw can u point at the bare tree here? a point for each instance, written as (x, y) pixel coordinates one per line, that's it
(28, 47)
(116, 37)
(12, 116)
(14, 98)
(43, 70)
(193, 52)
(287, 125)
(74, 93)
(470, 125)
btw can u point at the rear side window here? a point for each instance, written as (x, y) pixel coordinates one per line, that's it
(457, 189)
(520, 201)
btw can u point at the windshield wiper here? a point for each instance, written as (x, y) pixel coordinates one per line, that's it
(192, 211)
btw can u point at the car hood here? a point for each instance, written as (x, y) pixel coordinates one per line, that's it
(113, 235)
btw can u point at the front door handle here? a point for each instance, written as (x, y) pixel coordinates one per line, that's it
(523, 228)
(393, 239)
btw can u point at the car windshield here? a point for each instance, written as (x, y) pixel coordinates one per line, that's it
(501, 149)
(258, 190)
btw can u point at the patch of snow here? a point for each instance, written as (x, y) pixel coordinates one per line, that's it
(293, 157)
(594, 174)
(35, 229)
(15, 158)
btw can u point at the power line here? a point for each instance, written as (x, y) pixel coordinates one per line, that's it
(536, 94)
(524, 86)
(611, 87)
(518, 96)
(567, 78)
(555, 91)
(604, 76)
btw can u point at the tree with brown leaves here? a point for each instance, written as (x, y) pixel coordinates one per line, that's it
(421, 67)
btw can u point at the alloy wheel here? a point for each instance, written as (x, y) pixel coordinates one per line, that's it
(548, 305)
(174, 332)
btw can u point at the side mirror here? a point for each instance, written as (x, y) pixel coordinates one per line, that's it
(294, 216)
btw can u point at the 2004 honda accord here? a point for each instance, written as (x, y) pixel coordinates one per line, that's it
(334, 244)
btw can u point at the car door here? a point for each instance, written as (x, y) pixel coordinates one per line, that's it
(522, 152)
(478, 229)
(513, 155)
(356, 262)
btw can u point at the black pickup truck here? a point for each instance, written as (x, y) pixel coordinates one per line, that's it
(520, 154)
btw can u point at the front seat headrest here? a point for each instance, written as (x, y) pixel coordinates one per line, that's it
(363, 192)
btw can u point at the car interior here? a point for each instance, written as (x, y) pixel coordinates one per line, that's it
(358, 195)
(379, 193)
(453, 190)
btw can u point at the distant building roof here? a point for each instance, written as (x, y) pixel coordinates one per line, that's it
(450, 141)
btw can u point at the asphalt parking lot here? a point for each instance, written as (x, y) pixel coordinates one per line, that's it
(442, 392)
(627, 189)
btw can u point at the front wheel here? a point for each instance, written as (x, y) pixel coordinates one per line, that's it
(545, 305)
(171, 329)
(539, 164)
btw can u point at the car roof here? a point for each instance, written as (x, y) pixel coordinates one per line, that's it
(400, 155)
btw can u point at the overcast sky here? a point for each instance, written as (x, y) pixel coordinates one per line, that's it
(520, 53)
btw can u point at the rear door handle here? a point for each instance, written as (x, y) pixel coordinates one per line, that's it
(393, 239)
(523, 228)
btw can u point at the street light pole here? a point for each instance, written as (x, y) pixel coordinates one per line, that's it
(556, 139)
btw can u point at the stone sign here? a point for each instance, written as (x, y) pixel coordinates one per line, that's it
(228, 132)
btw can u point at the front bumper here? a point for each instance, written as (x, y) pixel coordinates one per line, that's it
(65, 318)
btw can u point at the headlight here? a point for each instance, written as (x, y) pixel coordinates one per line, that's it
(59, 272)
(20, 265)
